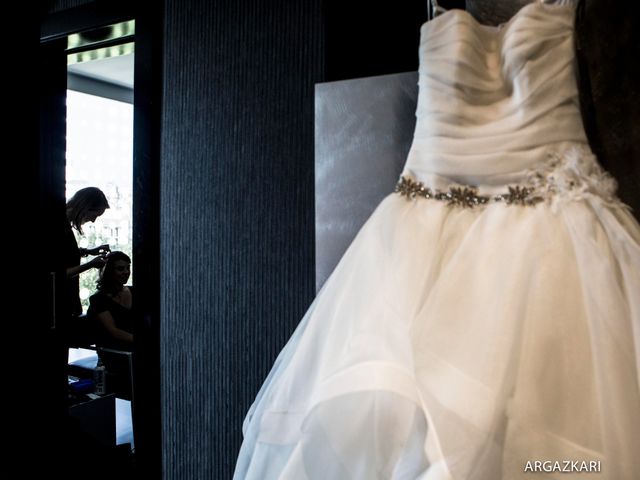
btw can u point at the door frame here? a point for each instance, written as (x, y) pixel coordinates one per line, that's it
(146, 196)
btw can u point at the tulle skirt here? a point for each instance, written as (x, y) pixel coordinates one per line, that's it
(488, 343)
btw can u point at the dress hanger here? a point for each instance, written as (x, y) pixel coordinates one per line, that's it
(435, 9)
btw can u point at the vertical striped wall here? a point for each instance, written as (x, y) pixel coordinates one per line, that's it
(237, 225)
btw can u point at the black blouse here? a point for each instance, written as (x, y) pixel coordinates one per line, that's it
(123, 317)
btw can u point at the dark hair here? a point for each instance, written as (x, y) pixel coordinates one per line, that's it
(85, 199)
(105, 283)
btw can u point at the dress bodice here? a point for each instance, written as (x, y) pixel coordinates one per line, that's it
(494, 102)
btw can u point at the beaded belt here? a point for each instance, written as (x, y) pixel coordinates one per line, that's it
(570, 174)
(467, 196)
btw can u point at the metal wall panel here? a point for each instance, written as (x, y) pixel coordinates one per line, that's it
(364, 129)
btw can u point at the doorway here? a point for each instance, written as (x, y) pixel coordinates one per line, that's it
(55, 31)
(99, 153)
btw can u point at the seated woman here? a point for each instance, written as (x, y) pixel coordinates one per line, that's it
(112, 307)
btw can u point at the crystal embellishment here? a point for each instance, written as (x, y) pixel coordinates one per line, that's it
(466, 196)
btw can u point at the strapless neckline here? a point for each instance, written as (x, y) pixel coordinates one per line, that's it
(497, 29)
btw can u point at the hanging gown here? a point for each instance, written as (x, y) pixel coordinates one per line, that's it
(487, 315)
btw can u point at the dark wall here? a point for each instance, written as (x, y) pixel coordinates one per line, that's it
(366, 38)
(609, 84)
(56, 6)
(30, 408)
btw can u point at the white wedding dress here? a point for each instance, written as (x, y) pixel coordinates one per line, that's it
(487, 315)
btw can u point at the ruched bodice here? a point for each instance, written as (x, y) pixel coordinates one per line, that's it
(494, 101)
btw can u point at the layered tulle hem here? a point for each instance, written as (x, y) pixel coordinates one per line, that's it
(463, 344)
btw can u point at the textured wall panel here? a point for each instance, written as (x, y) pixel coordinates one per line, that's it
(236, 213)
(364, 128)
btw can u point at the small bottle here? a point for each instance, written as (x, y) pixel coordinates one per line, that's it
(100, 378)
